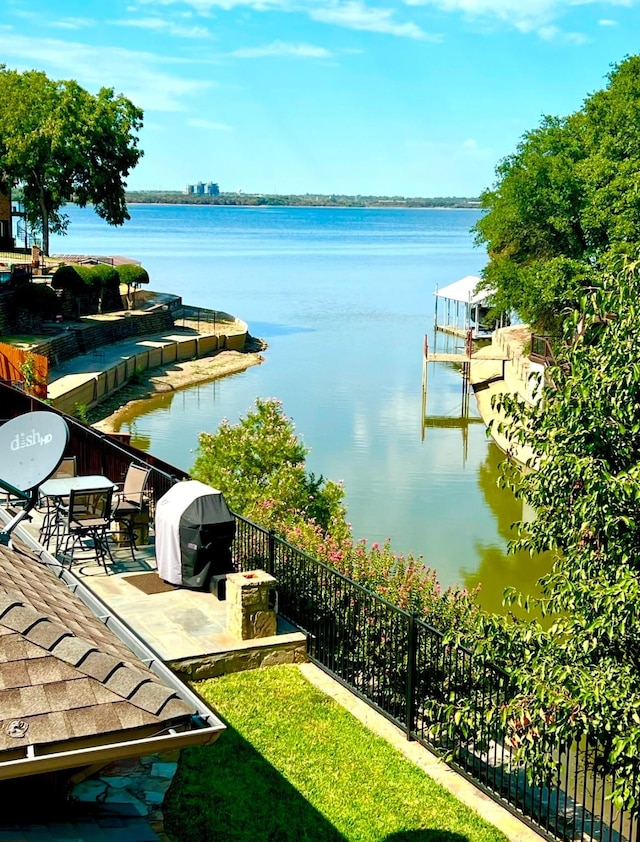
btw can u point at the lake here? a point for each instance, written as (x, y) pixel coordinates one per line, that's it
(343, 297)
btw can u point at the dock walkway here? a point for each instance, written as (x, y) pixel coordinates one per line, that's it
(492, 375)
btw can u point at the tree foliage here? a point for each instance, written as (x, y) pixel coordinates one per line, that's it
(101, 280)
(561, 206)
(259, 465)
(580, 676)
(60, 143)
(134, 276)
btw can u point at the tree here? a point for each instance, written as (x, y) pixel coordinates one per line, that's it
(561, 206)
(580, 676)
(132, 275)
(59, 143)
(259, 465)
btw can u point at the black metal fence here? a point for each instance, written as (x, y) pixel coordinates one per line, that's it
(404, 669)
(397, 663)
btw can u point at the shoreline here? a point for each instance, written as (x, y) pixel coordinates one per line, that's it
(109, 414)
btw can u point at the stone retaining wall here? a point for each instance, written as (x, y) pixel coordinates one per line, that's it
(99, 386)
(285, 649)
(88, 335)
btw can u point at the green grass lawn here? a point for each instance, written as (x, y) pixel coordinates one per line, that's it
(294, 766)
(25, 340)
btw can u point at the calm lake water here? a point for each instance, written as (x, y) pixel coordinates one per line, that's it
(343, 297)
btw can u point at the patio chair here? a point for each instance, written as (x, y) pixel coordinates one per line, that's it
(55, 509)
(129, 501)
(88, 520)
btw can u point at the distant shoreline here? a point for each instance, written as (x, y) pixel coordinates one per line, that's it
(169, 197)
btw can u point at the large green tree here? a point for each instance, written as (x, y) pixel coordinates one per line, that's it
(578, 675)
(564, 203)
(59, 143)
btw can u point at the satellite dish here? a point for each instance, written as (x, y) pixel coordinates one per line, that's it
(31, 448)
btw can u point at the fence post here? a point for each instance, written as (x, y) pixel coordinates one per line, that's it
(272, 551)
(411, 673)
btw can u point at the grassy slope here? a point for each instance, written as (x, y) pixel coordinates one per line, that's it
(295, 766)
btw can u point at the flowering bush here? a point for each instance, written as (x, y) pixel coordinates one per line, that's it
(402, 580)
(259, 465)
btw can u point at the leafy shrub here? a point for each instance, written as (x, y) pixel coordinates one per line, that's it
(107, 281)
(133, 275)
(261, 460)
(103, 275)
(72, 279)
(101, 280)
(38, 299)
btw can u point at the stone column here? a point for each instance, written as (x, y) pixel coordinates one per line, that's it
(251, 603)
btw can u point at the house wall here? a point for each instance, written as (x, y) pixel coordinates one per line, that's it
(6, 238)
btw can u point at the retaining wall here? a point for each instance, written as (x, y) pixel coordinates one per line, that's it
(150, 353)
(86, 336)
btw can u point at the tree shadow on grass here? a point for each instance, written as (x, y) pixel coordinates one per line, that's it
(425, 836)
(228, 792)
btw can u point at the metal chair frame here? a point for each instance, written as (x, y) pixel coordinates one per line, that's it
(129, 501)
(88, 517)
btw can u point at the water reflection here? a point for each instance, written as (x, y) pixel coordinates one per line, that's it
(496, 567)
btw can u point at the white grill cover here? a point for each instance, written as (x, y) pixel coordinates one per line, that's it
(169, 511)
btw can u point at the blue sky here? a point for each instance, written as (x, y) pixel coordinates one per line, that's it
(413, 98)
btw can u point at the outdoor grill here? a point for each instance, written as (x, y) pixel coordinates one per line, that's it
(194, 530)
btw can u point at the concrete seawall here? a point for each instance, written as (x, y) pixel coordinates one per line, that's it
(492, 378)
(85, 380)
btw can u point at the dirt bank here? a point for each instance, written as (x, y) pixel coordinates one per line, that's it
(106, 416)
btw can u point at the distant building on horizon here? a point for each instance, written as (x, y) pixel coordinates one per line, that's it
(209, 188)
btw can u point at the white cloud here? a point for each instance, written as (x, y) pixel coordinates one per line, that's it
(198, 123)
(204, 7)
(142, 77)
(352, 14)
(607, 22)
(554, 33)
(524, 15)
(63, 23)
(72, 23)
(168, 27)
(355, 15)
(468, 149)
(280, 48)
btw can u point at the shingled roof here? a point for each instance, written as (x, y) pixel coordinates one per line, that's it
(69, 687)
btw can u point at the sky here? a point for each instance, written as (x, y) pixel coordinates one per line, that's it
(357, 97)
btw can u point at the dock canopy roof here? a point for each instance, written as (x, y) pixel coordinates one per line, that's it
(464, 291)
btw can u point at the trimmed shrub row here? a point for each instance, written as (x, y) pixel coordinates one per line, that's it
(99, 280)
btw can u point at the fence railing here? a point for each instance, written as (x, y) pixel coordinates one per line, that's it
(396, 662)
(541, 350)
(404, 668)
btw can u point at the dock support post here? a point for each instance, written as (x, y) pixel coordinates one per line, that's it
(424, 386)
